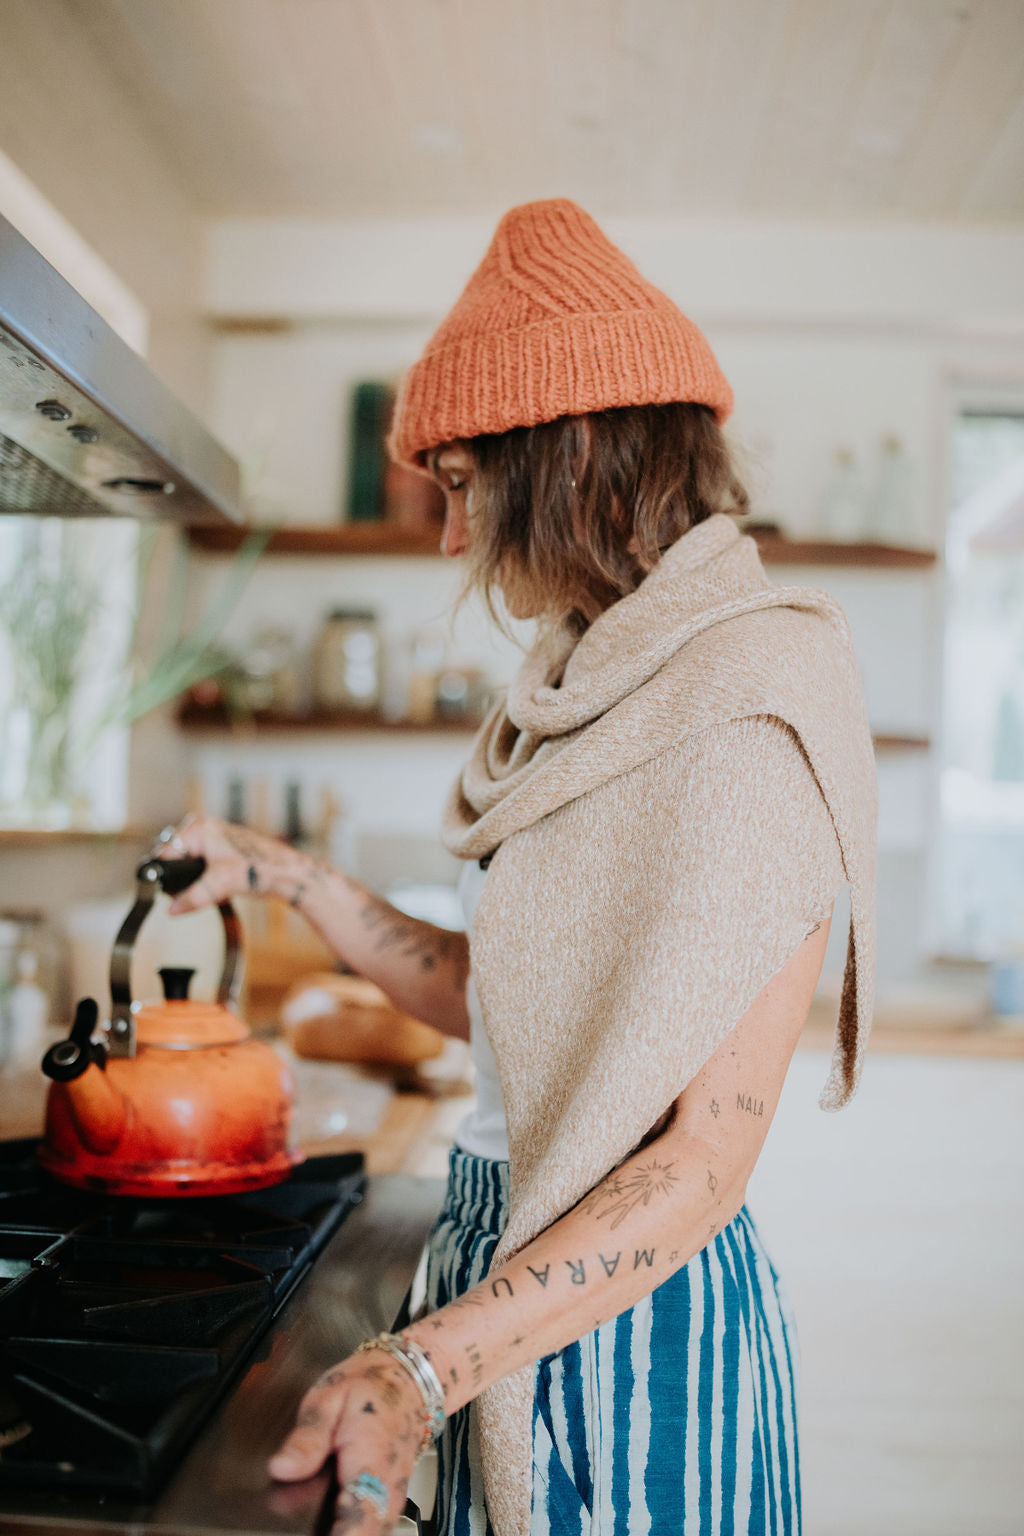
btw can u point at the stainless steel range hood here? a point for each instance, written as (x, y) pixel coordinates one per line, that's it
(86, 429)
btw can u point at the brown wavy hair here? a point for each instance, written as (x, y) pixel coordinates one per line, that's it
(579, 510)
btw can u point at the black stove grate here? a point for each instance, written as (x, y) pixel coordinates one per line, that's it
(123, 1321)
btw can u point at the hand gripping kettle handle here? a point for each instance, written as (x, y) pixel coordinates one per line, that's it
(172, 876)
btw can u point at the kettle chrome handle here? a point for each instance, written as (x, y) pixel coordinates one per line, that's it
(171, 876)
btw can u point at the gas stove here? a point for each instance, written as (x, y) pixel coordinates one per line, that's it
(124, 1322)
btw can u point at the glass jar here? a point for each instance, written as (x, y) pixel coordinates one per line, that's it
(346, 661)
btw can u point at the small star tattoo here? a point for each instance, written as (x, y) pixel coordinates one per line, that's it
(715, 1109)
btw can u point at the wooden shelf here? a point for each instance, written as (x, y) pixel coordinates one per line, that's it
(387, 539)
(332, 539)
(777, 550)
(268, 722)
(46, 837)
(902, 743)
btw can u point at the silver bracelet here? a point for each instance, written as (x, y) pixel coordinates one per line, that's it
(416, 1361)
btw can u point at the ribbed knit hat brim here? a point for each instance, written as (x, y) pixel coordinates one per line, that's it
(555, 321)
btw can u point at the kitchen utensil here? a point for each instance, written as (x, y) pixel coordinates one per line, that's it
(174, 1098)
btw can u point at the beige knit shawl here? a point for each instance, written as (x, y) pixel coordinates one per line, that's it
(671, 802)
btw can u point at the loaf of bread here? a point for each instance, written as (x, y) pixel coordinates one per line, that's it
(330, 1017)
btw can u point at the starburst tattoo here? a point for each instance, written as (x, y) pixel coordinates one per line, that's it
(623, 1192)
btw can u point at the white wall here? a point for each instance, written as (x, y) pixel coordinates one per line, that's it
(68, 126)
(831, 337)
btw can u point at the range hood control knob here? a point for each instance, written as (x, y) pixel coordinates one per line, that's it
(53, 410)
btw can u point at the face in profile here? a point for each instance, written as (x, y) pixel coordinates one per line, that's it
(452, 466)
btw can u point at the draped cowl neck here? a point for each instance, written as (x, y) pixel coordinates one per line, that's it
(709, 578)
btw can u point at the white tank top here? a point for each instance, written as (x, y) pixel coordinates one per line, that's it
(483, 1131)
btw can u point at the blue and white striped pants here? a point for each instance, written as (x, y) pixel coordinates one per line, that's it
(678, 1415)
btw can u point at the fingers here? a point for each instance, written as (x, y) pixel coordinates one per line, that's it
(368, 1504)
(202, 836)
(306, 1449)
(369, 1415)
(201, 893)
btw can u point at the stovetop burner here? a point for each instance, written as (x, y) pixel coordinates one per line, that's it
(123, 1321)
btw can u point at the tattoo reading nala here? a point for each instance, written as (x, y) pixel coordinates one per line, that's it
(621, 1193)
(750, 1106)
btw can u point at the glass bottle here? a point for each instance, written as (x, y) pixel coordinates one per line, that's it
(346, 661)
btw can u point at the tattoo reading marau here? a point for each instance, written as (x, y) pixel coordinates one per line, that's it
(622, 1192)
(578, 1267)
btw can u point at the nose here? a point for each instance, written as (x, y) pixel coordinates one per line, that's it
(455, 537)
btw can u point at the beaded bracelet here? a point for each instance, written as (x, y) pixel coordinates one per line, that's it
(417, 1363)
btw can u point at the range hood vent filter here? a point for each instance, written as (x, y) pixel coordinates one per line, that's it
(27, 485)
(86, 429)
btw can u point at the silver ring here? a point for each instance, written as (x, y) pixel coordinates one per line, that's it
(169, 839)
(370, 1490)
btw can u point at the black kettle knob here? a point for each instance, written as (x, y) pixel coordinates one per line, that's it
(176, 980)
(69, 1058)
(172, 875)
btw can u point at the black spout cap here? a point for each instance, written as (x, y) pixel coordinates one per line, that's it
(69, 1058)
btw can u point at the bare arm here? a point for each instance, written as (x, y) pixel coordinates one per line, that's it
(422, 968)
(637, 1227)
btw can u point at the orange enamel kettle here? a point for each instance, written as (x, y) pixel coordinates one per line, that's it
(173, 1098)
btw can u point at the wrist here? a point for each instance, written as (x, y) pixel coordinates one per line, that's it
(420, 1376)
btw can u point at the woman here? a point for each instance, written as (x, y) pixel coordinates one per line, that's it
(655, 825)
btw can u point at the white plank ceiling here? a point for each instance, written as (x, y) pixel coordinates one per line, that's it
(826, 109)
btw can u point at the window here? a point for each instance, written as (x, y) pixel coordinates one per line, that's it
(981, 894)
(67, 610)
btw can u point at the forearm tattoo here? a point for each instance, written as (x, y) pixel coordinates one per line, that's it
(624, 1190)
(429, 946)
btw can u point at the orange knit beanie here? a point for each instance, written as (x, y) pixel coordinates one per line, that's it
(555, 321)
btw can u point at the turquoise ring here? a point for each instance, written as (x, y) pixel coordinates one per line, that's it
(370, 1489)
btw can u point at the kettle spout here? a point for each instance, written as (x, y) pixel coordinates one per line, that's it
(77, 1066)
